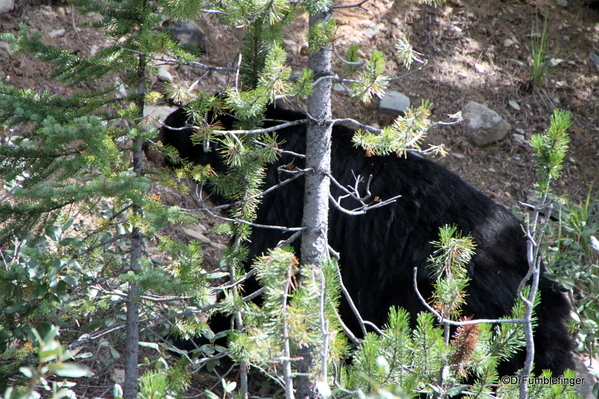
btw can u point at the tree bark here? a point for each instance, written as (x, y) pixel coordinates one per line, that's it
(314, 247)
(318, 156)
(132, 324)
(131, 386)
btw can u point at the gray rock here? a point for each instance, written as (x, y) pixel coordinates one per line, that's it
(394, 102)
(562, 3)
(519, 137)
(164, 76)
(120, 87)
(57, 33)
(156, 114)
(5, 50)
(594, 57)
(6, 6)
(483, 125)
(339, 87)
(514, 104)
(371, 32)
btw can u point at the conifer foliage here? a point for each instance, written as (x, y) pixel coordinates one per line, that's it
(82, 155)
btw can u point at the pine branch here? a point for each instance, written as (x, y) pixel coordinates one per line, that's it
(443, 320)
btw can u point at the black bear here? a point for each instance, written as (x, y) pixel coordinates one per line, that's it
(380, 249)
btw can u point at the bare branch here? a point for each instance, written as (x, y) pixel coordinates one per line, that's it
(90, 249)
(353, 192)
(265, 130)
(295, 174)
(337, 79)
(534, 235)
(326, 334)
(351, 304)
(284, 243)
(157, 320)
(234, 283)
(375, 328)
(458, 119)
(362, 209)
(170, 61)
(333, 253)
(358, 124)
(408, 73)
(197, 81)
(287, 373)
(214, 12)
(343, 60)
(237, 71)
(240, 132)
(270, 375)
(443, 320)
(356, 5)
(151, 298)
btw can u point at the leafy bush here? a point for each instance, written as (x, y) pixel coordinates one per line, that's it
(573, 262)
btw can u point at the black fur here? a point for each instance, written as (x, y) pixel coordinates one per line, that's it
(379, 250)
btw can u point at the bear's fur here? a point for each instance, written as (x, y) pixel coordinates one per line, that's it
(380, 249)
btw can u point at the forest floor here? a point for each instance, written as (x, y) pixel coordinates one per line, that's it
(475, 51)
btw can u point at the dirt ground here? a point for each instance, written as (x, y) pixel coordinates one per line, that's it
(476, 51)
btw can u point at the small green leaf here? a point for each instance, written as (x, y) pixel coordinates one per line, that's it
(72, 242)
(590, 323)
(26, 371)
(210, 395)
(115, 354)
(229, 386)
(69, 280)
(51, 354)
(117, 392)
(71, 370)
(152, 345)
(49, 332)
(54, 232)
(18, 308)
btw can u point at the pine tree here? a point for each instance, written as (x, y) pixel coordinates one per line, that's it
(84, 152)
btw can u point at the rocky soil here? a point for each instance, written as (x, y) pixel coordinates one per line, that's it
(475, 51)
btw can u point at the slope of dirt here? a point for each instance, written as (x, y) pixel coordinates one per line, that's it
(475, 51)
(480, 51)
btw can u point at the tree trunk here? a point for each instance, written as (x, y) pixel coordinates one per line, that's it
(131, 387)
(132, 326)
(314, 247)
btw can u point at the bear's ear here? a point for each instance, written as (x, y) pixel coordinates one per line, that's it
(176, 143)
(176, 140)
